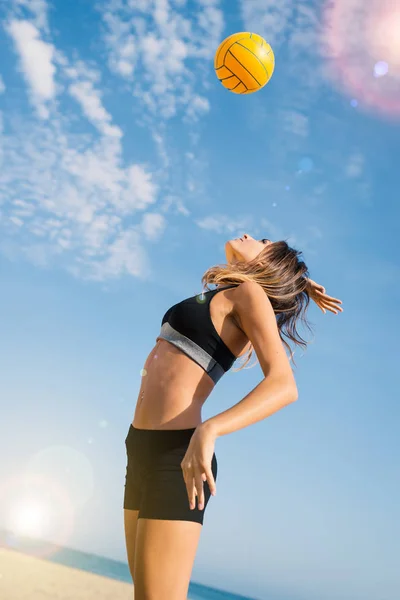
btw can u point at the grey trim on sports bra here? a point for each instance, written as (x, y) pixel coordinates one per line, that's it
(193, 350)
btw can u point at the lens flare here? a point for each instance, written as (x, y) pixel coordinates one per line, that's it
(362, 45)
(381, 68)
(37, 513)
(201, 298)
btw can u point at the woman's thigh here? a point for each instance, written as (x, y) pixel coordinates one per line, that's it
(167, 530)
(130, 526)
(164, 557)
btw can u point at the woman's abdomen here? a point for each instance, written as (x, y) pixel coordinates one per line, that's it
(173, 390)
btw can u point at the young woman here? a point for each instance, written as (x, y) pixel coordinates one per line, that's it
(262, 291)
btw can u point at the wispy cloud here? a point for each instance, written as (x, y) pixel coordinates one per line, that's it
(2, 85)
(153, 225)
(156, 37)
(297, 28)
(338, 43)
(78, 201)
(36, 63)
(90, 100)
(35, 10)
(220, 223)
(355, 165)
(235, 227)
(70, 196)
(270, 19)
(261, 227)
(295, 122)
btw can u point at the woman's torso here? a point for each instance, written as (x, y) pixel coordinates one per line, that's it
(174, 387)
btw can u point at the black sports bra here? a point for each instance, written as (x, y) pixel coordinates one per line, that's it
(188, 326)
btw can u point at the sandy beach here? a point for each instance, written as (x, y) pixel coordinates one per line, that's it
(24, 577)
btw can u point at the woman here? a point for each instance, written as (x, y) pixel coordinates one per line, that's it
(261, 293)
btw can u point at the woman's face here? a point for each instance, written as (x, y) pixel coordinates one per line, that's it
(244, 249)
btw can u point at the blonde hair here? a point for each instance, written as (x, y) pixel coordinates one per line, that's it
(283, 276)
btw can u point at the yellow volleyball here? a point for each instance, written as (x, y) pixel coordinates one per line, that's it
(244, 62)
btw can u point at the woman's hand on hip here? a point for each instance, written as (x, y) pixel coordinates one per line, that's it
(196, 465)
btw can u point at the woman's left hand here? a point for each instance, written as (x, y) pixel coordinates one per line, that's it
(321, 299)
(196, 465)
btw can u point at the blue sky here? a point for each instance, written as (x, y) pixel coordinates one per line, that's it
(124, 168)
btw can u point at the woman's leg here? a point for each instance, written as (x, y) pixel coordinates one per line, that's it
(167, 532)
(164, 557)
(130, 526)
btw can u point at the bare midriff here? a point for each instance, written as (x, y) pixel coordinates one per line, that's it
(173, 390)
(174, 387)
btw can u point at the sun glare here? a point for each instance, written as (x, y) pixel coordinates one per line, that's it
(29, 518)
(385, 38)
(365, 58)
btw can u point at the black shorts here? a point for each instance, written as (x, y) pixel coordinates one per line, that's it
(154, 483)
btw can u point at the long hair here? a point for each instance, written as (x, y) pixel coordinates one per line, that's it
(282, 275)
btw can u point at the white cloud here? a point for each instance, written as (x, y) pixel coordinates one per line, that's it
(355, 165)
(121, 42)
(36, 58)
(224, 224)
(156, 37)
(235, 227)
(69, 196)
(160, 143)
(125, 255)
(70, 199)
(2, 85)
(153, 225)
(324, 45)
(212, 223)
(140, 190)
(176, 202)
(90, 100)
(268, 18)
(36, 9)
(209, 28)
(295, 122)
(280, 24)
(198, 106)
(298, 30)
(17, 221)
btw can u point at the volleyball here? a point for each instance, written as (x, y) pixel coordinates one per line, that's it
(244, 62)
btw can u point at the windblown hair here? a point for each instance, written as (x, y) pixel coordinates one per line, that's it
(283, 276)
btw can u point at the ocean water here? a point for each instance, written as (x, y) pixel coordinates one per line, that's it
(98, 564)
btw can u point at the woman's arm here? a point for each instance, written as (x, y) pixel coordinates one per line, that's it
(278, 388)
(269, 396)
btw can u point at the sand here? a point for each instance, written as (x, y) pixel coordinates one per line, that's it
(24, 577)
